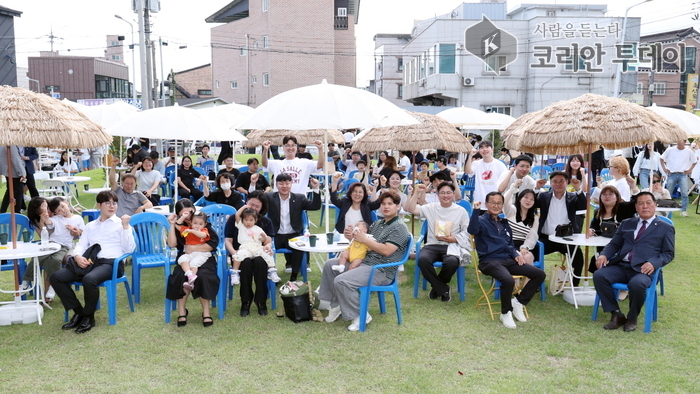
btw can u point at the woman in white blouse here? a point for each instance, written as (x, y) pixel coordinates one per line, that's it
(646, 164)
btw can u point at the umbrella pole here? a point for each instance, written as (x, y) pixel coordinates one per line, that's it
(13, 222)
(587, 220)
(327, 182)
(175, 185)
(413, 181)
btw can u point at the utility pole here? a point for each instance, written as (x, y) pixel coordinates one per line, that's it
(143, 53)
(651, 89)
(133, 58)
(162, 73)
(149, 59)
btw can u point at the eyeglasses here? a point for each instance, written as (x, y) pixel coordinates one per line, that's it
(657, 181)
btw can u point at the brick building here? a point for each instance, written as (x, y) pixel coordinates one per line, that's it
(267, 47)
(193, 83)
(671, 78)
(115, 49)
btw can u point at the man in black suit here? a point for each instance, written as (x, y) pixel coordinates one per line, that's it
(285, 210)
(640, 246)
(558, 207)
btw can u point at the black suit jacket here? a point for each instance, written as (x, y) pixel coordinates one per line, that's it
(32, 154)
(297, 204)
(656, 245)
(574, 202)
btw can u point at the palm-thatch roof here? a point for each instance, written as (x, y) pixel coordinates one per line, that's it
(432, 132)
(573, 126)
(33, 119)
(304, 137)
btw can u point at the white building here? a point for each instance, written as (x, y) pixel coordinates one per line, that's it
(569, 40)
(388, 66)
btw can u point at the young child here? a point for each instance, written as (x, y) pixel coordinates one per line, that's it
(362, 172)
(198, 234)
(355, 253)
(251, 238)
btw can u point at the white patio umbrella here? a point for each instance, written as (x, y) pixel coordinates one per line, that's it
(230, 114)
(469, 118)
(326, 106)
(502, 120)
(107, 115)
(687, 121)
(177, 123)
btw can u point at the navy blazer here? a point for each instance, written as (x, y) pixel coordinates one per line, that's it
(656, 245)
(32, 154)
(574, 202)
(297, 204)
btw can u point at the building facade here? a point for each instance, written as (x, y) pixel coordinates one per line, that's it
(8, 60)
(266, 47)
(669, 75)
(80, 77)
(115, 48)
(193, 83)
(388, 66)
(562, 52)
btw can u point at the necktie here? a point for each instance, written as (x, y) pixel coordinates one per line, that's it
(639, 234)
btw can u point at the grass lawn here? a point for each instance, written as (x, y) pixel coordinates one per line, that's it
(439, 348)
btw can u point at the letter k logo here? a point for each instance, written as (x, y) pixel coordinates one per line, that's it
(491, 44)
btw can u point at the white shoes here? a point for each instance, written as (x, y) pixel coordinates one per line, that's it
(272, 275)
(25, 286)
(340, 268)
(518, 311)
(355, 326)
(236, 276)
(507, 320)
(333, 314)
(684, 214)
(50, 294)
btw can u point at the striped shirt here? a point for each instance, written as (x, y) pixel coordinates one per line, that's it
(394, 232)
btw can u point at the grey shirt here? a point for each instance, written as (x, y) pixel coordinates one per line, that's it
(129, 203)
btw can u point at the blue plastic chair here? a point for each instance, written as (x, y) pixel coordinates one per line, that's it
(461, 270)
(651, 304)
(111, 286)
(243, 169)
(22, 225)
(605, 174)
(540, 172)
(218, 216)
(152, 251)
(661, 275)
(209, 165)
(468, 187)
(392, 287)
(558, 166)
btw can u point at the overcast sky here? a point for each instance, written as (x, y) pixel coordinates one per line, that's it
(81, 25)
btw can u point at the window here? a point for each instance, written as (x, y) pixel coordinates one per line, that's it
(499, 110)
(254, 79)
(551, 13)
(400, 91)
(234, 84)
(266, 79)
(116, 57)
(217, 84)
(265, 5)
(640, 88)
(569, 65)
(115, 43)
(203, 92)
(447, 61)
(659, 88)
(400, 60)
(342, 11)
(266, 42)
(496, 63)
(690, 60)
(244, 51)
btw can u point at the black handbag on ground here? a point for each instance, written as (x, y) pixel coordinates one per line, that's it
(297, 305)
(564, 230)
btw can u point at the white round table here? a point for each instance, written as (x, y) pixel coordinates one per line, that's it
(302, 243)
(577, 240)
(71, 180)
(30, 311)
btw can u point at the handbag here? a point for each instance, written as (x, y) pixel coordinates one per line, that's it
(557, 278)
(297, 301)
(667, 203)
(564, 230)
(608, 229)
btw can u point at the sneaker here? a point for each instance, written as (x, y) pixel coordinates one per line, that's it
(272, 275)
(518, 311)
(340, 268)
(448, 295)
(333, 314)
(235, 276)
(433, 295)
(684, 214)
(188, 286)
(355, 325)
(507, 319)
(288, 270)
(308, 268)
(191, 278)
(27, 198)
(25, 286)
(50, 294)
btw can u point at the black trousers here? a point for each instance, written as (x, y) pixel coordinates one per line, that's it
(622, 272)
(194, 194)
(429, 254)
(293, 259)
(253, 270)
(61, 281)
(31, 185)
(18, 192)
(577, 264)
(503, 270)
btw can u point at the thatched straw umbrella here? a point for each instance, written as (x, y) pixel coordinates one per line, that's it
(577, 125)
(304, 137)
(432, 132)
(32, 119)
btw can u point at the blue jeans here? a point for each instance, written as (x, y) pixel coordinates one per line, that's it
(644, 178)
(680, 179)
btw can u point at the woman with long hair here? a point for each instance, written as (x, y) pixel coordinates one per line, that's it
(647, 161)
(612, 209)
(186, 177)
(523, 220)
(148, 180)
(575, 169)
(619, 169)
(380, 164)
(390, 166)
(65, 165)
(354, 206)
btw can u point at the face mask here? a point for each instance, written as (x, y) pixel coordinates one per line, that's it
(225, 186)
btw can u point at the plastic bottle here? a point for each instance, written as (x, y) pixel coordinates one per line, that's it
(44, 236)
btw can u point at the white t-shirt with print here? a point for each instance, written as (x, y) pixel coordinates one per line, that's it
(486, 177)
(298, 169)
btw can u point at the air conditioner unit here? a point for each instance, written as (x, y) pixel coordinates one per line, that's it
(468, 81)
